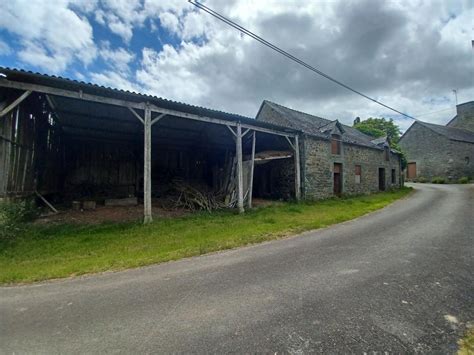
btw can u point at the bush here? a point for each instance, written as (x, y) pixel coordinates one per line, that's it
(438, 180)
(422, 180)
(464, 180)
(13, 216)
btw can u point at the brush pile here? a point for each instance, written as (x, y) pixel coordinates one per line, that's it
(195, 196)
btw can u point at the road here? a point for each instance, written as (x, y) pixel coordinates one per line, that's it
(399, 279)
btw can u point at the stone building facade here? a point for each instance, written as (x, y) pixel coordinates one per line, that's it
(441, 151)
(335, 158)
(464, 118)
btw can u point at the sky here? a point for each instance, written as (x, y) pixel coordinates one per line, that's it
(409, 54)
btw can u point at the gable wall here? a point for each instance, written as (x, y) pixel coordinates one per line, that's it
(464, 118)
(436, 155)
(319, 162)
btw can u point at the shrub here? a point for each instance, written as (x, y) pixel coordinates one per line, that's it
(422, 180)
(438, 180)
(13, 216)
(464, 180)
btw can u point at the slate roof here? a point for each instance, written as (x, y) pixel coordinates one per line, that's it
(455, 134)
(315, 126)
(380, 140)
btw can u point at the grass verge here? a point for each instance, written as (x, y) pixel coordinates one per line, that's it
(46, 252)
(466, 344)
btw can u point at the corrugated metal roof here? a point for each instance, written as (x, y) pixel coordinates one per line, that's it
(21, 75)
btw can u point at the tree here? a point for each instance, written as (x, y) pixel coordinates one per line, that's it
(379, 127)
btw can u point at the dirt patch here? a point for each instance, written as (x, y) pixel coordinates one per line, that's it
(124, 213)
(108, 214)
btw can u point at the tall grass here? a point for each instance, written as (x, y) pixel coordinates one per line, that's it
(45, 252)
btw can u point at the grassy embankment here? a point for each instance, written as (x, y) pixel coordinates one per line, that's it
(46, 252)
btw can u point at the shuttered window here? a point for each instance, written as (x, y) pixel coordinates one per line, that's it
(358, 173)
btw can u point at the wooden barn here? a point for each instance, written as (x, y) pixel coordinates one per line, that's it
(66, 141)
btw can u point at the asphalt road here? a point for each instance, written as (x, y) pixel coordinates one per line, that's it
(400, 279)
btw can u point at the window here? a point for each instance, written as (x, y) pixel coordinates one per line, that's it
(394, 178)
(358, 171)
(336, 144)
(387, 153)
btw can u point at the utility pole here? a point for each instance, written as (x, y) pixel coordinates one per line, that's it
(455, 91)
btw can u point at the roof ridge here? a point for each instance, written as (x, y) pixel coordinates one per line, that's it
(447, 127)
(292, 109)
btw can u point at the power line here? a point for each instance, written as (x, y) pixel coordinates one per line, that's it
(290, 56)
(433, 112)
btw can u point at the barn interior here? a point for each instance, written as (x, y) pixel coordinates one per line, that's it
(66, 150)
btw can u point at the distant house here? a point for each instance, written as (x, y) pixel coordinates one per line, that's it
(445, 151)
(336, 158)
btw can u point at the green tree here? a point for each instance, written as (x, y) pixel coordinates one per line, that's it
(379, 127)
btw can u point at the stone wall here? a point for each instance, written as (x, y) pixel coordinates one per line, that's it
(318, 166)
(436, 155)
(464, 117)
(275, 179)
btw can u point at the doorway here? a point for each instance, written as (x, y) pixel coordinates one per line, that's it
(337, 172)
(381, 179)
(411, 171)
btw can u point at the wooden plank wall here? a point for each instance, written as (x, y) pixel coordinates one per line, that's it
(102, 168)
(30, 152)
(17, 154)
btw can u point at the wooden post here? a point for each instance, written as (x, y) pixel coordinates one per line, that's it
(297, 169)
(240, 175)
(147, 167)
(252, 166)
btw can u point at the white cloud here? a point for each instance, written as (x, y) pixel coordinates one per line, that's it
(118, 59)
(4, 48)
(51, 34)
(113, 79)
(386, 50)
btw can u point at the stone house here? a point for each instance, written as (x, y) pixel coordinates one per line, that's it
(445, 151)
(335, 158)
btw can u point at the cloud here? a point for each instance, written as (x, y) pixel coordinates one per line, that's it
(114, 80)
(40, 27)
(4, 48)
(117, 59)
(383, 49)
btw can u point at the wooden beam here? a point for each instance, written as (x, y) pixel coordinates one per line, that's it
(15, 103)
(157, 118)
(136, 115)
(132, 104)
(297, 170)
(147, 168)
(46, 202)
(231, 130)
(252, 167)
(240, 175)
(290, 143)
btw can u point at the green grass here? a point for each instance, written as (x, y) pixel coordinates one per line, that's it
(466, 344)
(46, 252)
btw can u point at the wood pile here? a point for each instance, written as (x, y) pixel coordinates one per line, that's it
(195, 196)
